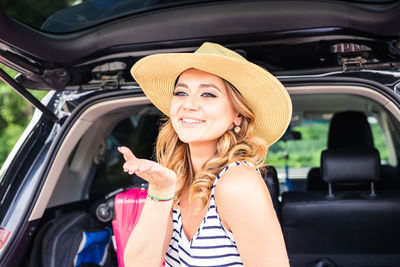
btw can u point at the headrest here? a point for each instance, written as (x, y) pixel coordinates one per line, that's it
(350, 165)
(350, 129)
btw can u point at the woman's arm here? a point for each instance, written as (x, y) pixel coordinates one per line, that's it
(149, 239)
(245, 205)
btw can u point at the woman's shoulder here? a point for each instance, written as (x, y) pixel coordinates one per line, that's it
(239, 179)
(236, 192)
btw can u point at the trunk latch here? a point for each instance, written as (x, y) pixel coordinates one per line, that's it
(353, 64)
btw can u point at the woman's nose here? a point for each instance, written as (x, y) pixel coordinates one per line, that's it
(190, 103)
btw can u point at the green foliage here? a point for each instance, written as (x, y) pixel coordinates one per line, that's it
(379, 142)
(305, 152)
(15, 114)
(314, 137)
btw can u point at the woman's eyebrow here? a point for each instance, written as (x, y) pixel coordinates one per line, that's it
(209, 85)
(203, 85)
(181, 85)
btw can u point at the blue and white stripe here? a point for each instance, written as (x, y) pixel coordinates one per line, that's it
(212, 245)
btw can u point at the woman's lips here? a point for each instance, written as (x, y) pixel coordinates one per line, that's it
(190, 122)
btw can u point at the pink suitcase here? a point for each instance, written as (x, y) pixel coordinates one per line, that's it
(127, 208)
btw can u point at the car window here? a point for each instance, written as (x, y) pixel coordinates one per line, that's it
(379, 139)
(71, 15)
(294, 158)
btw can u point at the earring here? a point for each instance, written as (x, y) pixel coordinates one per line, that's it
(236, 129)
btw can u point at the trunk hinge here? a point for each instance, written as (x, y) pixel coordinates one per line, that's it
(27, 95)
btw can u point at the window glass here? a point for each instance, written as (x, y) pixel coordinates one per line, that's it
(64, 16)
(295, 157)
(379, 139)
(303, 153)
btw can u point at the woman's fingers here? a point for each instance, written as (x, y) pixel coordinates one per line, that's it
(127, 153)
(138, 166)
(149, 170)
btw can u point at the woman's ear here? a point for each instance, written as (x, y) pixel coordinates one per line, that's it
(238, 120)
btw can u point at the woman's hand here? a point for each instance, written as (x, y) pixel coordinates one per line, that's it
(161, 180)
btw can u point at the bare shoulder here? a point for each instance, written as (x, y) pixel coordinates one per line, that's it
(246, 210)
(236, 192)
(239, 179)
(238, 189)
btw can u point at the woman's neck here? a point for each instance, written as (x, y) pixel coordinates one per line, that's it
(200, 153)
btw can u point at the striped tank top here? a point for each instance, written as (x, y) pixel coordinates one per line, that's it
(212, 245)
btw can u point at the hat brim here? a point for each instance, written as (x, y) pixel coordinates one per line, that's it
(265, 94)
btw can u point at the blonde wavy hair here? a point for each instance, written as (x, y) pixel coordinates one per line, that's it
(175, 155)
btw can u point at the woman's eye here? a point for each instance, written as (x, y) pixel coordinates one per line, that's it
(179, 93)
(206, 94)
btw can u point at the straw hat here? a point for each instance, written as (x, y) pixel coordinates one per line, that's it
(265, 95)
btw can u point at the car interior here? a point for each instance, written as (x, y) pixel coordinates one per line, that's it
(347, 209)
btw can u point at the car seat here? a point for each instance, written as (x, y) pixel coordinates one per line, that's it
(348, 129)
(350, 227)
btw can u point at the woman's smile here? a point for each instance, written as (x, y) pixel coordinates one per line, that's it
(191, 122)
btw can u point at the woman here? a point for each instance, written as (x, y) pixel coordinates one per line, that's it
(208, 204)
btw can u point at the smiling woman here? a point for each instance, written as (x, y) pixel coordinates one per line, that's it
(209, 151)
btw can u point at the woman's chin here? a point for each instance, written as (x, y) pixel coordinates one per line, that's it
(188, 139)
(197, 141)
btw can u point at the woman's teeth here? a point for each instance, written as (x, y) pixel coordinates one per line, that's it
(191, 121)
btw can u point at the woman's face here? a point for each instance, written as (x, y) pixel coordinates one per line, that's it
(200, 110)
